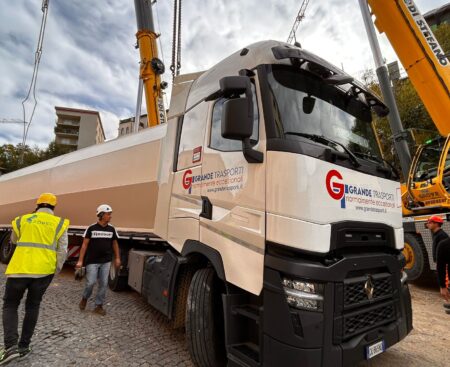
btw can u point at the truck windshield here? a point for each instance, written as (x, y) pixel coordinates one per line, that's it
(427, 163)
(304, 105)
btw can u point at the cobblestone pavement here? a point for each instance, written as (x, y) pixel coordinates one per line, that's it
(131, 334)
(134, 334)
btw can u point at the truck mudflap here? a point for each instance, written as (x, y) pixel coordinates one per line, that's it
(348, 310)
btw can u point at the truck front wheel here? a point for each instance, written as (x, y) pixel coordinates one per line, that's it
(116, 281)
(417, 265)
(204, 320)
(6, 248)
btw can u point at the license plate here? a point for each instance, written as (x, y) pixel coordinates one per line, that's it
(375, 349)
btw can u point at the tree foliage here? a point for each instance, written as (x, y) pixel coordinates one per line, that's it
(442, 34)
(14, 157)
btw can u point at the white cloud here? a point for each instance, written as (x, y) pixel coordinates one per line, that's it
(89, 60)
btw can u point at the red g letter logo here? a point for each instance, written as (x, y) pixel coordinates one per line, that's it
(187, 180)
(334, 187)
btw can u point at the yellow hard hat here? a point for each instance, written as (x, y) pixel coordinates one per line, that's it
(47, 198)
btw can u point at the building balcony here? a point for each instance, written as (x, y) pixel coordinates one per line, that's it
(60, 131)
(67, 122)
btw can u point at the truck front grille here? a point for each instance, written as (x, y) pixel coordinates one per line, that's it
(355, 294)
(357, 310)
(364, 320)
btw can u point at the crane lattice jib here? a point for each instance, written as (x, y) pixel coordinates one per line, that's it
(424, 60)
(298, 19)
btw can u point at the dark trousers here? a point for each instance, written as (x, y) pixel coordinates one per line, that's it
(14, 291)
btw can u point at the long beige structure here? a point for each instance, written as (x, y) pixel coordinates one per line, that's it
(119, 173)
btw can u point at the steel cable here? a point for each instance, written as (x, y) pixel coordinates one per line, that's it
(32, 88)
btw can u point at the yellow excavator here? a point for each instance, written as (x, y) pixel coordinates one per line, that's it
(427, 188)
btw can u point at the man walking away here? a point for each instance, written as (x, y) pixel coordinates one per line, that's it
(99, 245)
(41, 249)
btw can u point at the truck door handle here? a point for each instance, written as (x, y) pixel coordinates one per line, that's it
(207, 208)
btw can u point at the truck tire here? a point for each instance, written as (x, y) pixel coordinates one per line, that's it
(204, 320)
(6, 248)
(417, 264)
(179, 307)
(117, 282)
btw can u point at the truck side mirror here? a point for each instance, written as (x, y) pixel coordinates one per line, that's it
(236, 122)
(308, 104)
(237, 114)
(234, 85)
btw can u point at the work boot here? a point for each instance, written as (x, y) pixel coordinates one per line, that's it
(83, 303)
(446, 306)
(7, 355)
(24, 351)
(99, 309)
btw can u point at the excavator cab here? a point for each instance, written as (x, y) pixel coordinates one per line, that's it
(429, 179)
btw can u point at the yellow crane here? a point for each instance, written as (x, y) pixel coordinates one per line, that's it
(427, 189)
(151, 67)
(429, 71)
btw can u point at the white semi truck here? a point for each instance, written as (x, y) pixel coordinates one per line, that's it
(260, 217)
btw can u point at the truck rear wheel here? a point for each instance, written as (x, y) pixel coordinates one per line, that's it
(417, 265)
(204, 320)
(6, 248)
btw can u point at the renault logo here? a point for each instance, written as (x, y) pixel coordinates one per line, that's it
(369, 288)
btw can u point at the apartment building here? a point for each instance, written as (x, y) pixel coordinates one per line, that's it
(77, 128)
(126, 125)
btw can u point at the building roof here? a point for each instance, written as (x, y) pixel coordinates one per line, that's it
(77, 110)
(441, 10)
(129, 119)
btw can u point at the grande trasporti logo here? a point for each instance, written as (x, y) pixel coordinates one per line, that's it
(359, 197)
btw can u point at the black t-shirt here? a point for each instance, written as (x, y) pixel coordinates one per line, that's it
(100, 247)
(443, 260)
(437, 238)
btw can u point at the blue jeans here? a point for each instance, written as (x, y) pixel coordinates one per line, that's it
(96, 272)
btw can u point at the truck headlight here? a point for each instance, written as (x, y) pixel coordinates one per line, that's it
(404, 277)
(303, 295)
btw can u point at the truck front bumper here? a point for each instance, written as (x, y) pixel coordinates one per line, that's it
(348, 322)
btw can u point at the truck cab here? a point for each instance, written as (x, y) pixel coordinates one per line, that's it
(272, 187)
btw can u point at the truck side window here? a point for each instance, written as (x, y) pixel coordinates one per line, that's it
(227, 145)
(192, 135)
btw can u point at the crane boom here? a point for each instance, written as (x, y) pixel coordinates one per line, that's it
(420, 53)
(298, 19)
(151, 67)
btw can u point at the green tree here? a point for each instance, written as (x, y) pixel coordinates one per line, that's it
(13, 157)
(442, 34)
(55, 150)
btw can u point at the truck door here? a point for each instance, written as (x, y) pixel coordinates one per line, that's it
(185, 202)
(233, 197)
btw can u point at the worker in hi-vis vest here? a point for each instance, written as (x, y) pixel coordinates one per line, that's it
(41, 249)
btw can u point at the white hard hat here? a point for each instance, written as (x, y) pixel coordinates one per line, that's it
(104, 208)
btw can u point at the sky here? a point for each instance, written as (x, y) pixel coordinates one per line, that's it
(89, 60)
